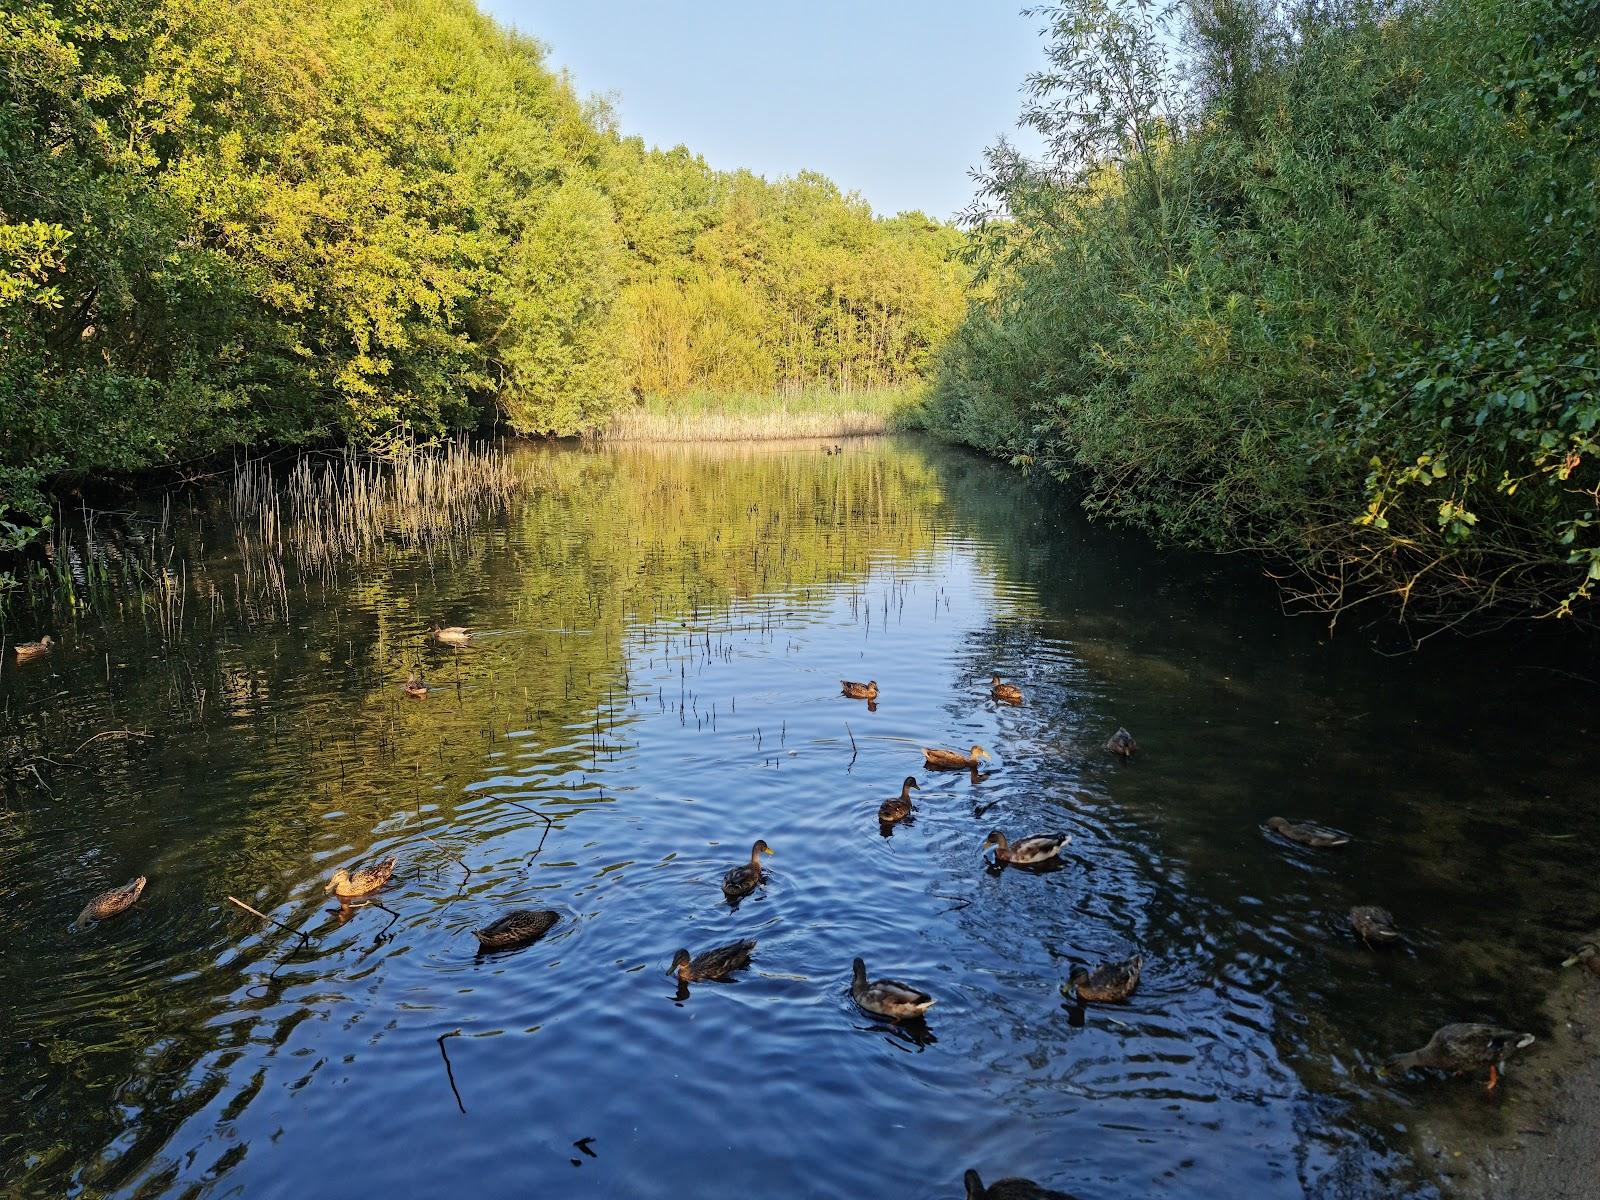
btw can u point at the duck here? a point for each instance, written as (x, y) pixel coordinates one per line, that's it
(859, 691)
(898, 808)
(1009, 693)
(1465, 1047)
(1375, 925)
(713, 964)
(953, 760)
(887, 997)
(26, 651)
(1588, 954)
(112, 903)
(450, 635)
(1008, 1189)
(517, 928)
(1121, 744)
(1030, 851)
(415, 687)
(1307, 833)
(1108, 983)
(363, 881)
(742, 880)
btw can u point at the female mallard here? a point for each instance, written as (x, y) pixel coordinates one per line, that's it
(1121, 744)
(713, 964)
(363, 881)
(859, 691)
(517, 928)
(1008, 1189)
(898, 808)
(953, 760)
(112, 903)
(1588, 954)
(1307, 833)
(1008, 693)
(1465, 1047)
(30, 650)
(1374, 925)
(742, 880)
(1108, 983)
(415, 687)
(887, 997)
(450, 635)
(1029, 851)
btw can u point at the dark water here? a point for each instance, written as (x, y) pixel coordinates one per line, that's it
(661, 636)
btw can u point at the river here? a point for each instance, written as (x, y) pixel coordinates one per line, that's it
(653, 683)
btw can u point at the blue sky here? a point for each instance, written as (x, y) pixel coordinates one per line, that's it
(892, 98)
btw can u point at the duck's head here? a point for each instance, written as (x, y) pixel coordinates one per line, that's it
(759, 849)
(910, 784)
(47, 641)
(995, 838)
(340, 877)
(980, 752)
(858, 970)
(994, 681)
(1277, 824)
(680, 964)
(974, 1185)
(1585, 954)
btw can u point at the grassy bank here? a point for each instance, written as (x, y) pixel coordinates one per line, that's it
(766, 416)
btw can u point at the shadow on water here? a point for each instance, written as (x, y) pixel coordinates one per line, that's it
(659, 635)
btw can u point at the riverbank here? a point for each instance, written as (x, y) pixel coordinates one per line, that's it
(1545, 1145)
(760, 417)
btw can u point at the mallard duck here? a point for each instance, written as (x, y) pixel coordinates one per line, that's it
(953, 760)
(112, 903)
(363, 881)
(517, 928)
(713, 964)
(859, 691)
(1465, 1047)
(887, 997)
(1307, 833)
(1108, 983)
(742, 880)
(415, 687)
(898, 808)
(1008, 1189)
(450, 635)
(1375, 925)
(29, 650)
(1009, 693)
(1029, 851)
(1588, 954)
(1121, 744)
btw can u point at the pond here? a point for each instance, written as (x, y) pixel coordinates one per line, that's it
(652, 684)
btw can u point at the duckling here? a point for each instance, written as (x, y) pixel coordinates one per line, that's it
(713, 964)
(1121, 744)
(1008, 1189)
(450, 635)
(415, 687)
(859, 691)
(887, 997)
(1588, 954)
(1009, 693)
(1108, 983)
(1307, 833)
(953, 760)
(1465, 1047)
(517, 928)
(26, 651)
(898, 808)
(1029, 851)
(742, 880)
(363, 881)
(1375, 925)
(111, 904)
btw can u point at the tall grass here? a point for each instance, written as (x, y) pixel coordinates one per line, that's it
(767, 416)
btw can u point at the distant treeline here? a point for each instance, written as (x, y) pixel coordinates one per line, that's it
(1321, 279)
(250, 222)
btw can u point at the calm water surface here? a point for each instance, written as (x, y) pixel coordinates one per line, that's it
(655, 685)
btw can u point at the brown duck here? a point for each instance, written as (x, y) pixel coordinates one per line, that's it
(713, 964)
(953, 760)
(415, 687)
(363, 881)
(450, 635)
(1307, 833)
(111, 904)
(1008, 1189)
(859, 691)
(743, 879)
(1374, 925)
(1030, 851)
(898, 808)
(26, 651)
(887, 997)
(1465, 1047)
(1007, 693)
(1121, 744)
(1108, 983)
(517, 928)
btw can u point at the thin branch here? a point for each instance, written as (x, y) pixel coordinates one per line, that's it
(448, 1069)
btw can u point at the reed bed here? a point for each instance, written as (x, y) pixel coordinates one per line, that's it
(745, 417)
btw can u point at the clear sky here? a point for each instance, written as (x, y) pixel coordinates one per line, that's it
(895, 99)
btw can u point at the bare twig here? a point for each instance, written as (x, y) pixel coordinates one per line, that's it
(448, 1069)
(459, 861)
(127, 733)
(299, 933)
